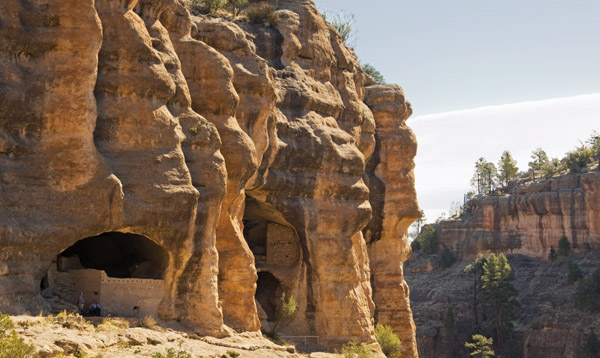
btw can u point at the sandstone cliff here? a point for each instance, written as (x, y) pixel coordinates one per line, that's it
(228, 159)
(524, 224)
(530, 218)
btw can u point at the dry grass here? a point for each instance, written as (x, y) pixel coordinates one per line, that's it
(110, 324)
(71, 320)
(149, 322)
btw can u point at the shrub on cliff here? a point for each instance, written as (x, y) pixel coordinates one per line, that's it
(344, 23)
(427, 241)
(261, 14)
(372, 71)
(11, 345)
(578, 159)
(564, 246)
(552, 255)
(590, 347)
(588, 292)
(388, 340)
(575, 272)
(447, 258)
(353, 349)
(205, 6)
(236, 6)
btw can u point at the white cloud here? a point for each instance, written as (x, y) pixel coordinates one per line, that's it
(450, 143)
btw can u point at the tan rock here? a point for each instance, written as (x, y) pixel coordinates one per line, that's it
(237, 152)
(394, 201)
(530, 219)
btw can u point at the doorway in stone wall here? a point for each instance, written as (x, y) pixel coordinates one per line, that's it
(123, 272)
(268, 296)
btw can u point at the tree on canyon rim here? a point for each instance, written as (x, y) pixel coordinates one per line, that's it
(484, 177)
(540, 159)
(507, 168)
(500, 294)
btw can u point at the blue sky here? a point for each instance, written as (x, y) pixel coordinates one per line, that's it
(483, 76)
(451, 55)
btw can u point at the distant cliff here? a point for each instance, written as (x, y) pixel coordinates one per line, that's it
(529, 219)
(524, 224)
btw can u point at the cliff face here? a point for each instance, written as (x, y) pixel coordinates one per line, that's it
(531, 219)
(239, 149)
(523, 224)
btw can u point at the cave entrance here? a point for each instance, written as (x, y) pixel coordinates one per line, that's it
(118, 254)
(122, 272)
(268, 295)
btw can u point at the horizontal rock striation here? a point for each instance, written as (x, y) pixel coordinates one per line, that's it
(530, 219)
(239, 149)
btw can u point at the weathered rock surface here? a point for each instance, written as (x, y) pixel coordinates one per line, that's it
(531, 219)
(240, 149)
(548, 323)
(393, 198)
(523, 224)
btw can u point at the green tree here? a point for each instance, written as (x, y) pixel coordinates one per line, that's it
(481, 347)
(388, 340)
(587, 294)
(552, 167)
(575, 272)
(483, 179)
(564, 246)
(476, 268)
(594, 144)
(428, 240)
(500, 294)
(507, 168)
(552, 255)
(578, 159)
(539, 159)
(372, 71)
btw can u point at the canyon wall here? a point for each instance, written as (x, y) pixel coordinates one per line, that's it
(529, 219)
(122, 117)
(524, 224)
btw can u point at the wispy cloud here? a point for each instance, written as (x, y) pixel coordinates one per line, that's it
(451, 142)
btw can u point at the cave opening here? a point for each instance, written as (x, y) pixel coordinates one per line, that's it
(121, 272)
(268, 294)
(120, 255)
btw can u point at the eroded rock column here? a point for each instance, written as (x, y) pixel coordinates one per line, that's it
(394, 201)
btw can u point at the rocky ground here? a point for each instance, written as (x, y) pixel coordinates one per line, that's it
(75, 336)
(548, 324)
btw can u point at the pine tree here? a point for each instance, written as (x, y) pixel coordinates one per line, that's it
(507, 168)
(476, 268)
(575, 272)
(540, 158)
(481, 347)
(552, 255)
(564, 246)
(500, 294)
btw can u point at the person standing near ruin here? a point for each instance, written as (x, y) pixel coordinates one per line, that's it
(81, 302)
